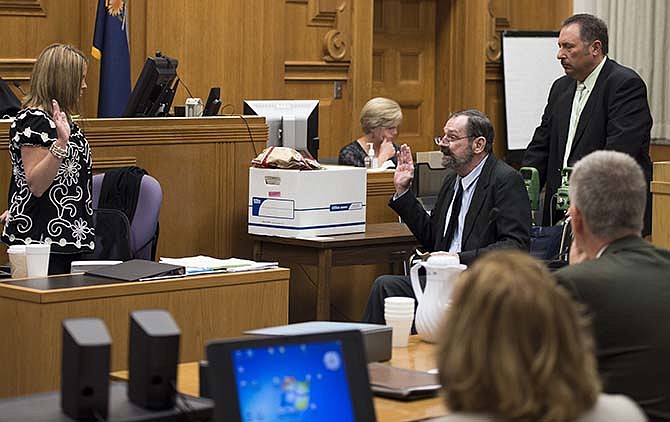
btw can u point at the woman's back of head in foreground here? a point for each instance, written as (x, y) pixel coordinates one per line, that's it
(515, 345)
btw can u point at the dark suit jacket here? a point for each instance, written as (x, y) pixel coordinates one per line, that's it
(499, 186)
(627, 291)
(616, 117)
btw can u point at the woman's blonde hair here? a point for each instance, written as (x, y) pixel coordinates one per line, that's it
(380, 112)
(515, 345)
(57, 74)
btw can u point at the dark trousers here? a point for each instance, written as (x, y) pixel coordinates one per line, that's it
(60, 263)
(387, 286)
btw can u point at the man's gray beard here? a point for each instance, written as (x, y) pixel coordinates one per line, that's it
(456, 164)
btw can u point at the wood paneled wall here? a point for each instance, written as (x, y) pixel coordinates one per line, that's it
(292, 49)
(298, 49)
(469, 66)
(403, 65)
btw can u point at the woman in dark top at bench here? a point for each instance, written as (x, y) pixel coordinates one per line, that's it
(380, 120)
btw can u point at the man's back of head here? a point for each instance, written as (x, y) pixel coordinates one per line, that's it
(609, 191)
(621, 278)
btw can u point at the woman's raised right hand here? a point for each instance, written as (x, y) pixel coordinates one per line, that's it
(62, 124)
(404, 172)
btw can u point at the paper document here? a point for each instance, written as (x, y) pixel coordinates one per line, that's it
(202, 264)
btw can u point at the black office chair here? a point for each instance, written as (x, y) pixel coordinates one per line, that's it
(427, 184)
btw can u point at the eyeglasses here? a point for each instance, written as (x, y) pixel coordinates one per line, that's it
(447, 140)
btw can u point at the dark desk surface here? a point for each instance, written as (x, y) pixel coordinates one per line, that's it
(62, 288)
(374, 234)
(46, 407)
(381, 243)
(63, 282)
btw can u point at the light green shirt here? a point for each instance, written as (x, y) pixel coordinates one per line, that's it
(582, 95)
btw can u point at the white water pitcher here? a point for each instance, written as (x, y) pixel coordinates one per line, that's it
(442, 269)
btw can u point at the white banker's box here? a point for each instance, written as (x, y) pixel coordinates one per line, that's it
(306, 203)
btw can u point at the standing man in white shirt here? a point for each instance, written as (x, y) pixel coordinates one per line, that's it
(599, 104)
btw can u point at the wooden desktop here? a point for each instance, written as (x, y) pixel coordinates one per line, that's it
(205, 307)
(418, 355)
(385, 243)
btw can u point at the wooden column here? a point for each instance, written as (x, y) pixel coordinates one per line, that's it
(660, 191)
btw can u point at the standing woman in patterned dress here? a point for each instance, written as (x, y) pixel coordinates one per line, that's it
(50, 188)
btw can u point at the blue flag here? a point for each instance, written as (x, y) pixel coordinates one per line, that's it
(110, 46)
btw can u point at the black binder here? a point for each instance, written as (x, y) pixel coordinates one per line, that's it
(137, 270)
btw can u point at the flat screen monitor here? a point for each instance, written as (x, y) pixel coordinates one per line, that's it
(213, 103)
(316, 377)
(154, 90)
(291, 123)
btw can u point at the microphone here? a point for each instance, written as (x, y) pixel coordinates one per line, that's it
(493, 216)
(18, 86)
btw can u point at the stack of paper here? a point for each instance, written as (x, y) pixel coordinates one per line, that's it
(202, 264)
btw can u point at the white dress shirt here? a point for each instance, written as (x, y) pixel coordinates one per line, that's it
(469, 184)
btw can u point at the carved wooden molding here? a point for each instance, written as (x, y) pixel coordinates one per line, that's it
(334, 46)
(494, 48)
(380, 187)
(21, 8)
(16, 69)
(498, 11)
(316, 71)
(502, 23)
(494, 71)
(172, 131)
(101, 165)
(321, 12)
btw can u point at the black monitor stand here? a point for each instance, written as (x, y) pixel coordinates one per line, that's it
(213, 103)
(162, 105)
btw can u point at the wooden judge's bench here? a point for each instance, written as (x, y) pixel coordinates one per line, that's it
(202, 165)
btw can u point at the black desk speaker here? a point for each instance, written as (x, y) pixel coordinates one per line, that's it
(203, 377)
(153, 354)
(85, 368)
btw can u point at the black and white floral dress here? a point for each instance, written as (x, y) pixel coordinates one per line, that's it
(63, 215)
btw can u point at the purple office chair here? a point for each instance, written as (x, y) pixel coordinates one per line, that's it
(144, 227)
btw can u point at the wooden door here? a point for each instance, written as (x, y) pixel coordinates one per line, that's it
(403, 65)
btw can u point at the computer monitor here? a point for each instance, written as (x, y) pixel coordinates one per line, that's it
(291, 123)
(314, 377)
(213, 103)
(154, 90)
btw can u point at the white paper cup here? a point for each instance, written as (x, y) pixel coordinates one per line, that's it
(399, 300)
(401, 328)
(398, 315)
(399, 307)
(37, 260)
(17, 261)
(396, 306)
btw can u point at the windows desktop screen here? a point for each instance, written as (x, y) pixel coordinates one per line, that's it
(296, 382)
